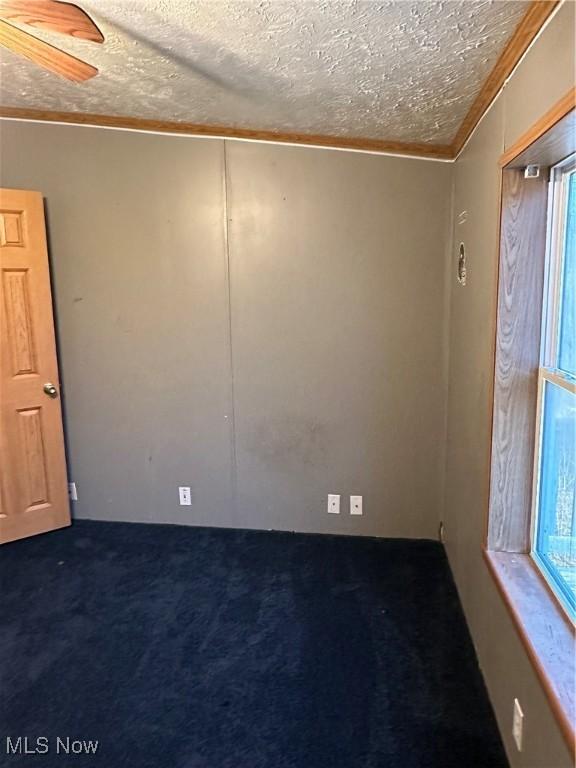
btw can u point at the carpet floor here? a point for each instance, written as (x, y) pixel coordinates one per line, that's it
(179, 647)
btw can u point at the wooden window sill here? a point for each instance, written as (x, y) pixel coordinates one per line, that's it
(547, 634)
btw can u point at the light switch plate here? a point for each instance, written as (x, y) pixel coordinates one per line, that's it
(72, 492)
(185, 496)
(356, 505)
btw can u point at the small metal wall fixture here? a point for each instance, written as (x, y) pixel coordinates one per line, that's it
(462, 265)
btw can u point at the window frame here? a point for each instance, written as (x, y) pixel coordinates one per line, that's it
(548, 370)
(543, 626)
(552, 298)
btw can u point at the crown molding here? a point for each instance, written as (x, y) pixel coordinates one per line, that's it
(535, 17)
(532, 22)
(554, 115)
(435, 151)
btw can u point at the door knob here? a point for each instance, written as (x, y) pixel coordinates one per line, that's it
(50, 390)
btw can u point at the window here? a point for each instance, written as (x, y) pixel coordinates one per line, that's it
(553, 541)
(530, 545)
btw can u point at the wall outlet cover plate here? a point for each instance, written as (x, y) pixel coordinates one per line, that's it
(334, 503)
(356, 505)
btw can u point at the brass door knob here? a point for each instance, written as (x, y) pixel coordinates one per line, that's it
(50, 390)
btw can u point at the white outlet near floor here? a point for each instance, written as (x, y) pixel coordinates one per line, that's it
(185, 496)
(355, 505)
(72, 492)
(517, 724)
(334, 503)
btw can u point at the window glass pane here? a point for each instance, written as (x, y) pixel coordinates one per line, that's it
(556, 534)
(567, 347)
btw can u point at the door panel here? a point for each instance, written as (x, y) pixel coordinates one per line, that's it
(33, 479)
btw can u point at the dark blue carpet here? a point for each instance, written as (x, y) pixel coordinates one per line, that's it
(180, 647)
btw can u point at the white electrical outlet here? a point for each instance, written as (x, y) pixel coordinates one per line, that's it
(185, 496)
(334, 503)
(72, 492)
(517, 724)
(355, 505)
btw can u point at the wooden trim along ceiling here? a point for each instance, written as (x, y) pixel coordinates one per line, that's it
(535, 17)
(160, 126)
(532, 22)
(551, 118)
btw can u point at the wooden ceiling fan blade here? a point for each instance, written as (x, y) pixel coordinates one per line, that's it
(65, 18)
(45, 55)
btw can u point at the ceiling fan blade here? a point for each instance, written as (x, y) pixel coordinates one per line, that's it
(45, 55)
(65, 18)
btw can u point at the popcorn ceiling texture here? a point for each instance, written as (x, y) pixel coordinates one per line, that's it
(393, 70)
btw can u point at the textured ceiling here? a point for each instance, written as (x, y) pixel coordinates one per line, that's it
(394, 70)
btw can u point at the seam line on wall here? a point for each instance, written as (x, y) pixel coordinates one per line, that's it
(232, 389)
(446, 337)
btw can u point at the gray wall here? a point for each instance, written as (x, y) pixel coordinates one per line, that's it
(314, 369)
(544, 76)
(139, 276)
(325, 350)
(337, 289)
